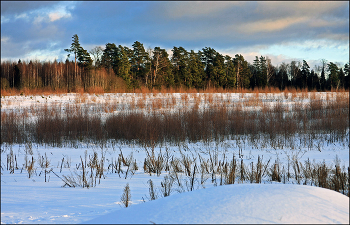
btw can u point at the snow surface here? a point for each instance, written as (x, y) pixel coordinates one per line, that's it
(32, 200)
(239, 203)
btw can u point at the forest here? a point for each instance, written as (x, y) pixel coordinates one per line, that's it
(122, 69)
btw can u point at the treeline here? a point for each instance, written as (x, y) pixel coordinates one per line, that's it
(121, 68)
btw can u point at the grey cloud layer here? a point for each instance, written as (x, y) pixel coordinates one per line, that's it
(13, 8)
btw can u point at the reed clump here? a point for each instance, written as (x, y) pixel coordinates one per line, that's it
(187, 170)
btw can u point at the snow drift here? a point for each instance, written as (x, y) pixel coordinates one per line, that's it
(240, 203)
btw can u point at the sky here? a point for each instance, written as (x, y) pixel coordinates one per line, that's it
(282, 31)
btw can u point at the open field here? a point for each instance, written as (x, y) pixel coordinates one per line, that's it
(162, 144)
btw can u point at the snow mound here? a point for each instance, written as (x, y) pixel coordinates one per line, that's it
(239, 203)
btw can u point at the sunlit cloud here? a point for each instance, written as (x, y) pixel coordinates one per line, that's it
(60, 12)
(58, 15)
(269, 25)
(55, 14)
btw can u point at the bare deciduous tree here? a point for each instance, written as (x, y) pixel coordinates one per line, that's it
(96, 53)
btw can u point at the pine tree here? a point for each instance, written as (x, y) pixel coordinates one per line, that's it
(161, 69)
(323, 77)
(219, 76)
(305, 73)
(122, 65)
(109, 56)
(263, 71)
(139, 58)
(208, 56)
(74, 48)
(243, 73)
(180, 60)
(230, 72)
(333, 78)
(346, 76)
(341, 77)
(196, 69)
(255, 69)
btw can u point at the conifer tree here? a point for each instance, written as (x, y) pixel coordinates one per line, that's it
(230, 72)
(196, 69)
(243, 73)
(139, 58)
(305, 73)
(333, 78)
(74, 48)
(219, 76)
(180, 62)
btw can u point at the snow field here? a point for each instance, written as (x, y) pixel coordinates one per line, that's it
(32, 200)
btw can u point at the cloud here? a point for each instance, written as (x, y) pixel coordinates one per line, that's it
(269, 25)
(343, 38)
(323, 23)
(61, 11)
(31, 50)
(49, 54)
(38, 19)
(35, 12)
(36, 27)
(278, 16)
(175, 10)
(322, 7)
(311, 50)
(4, 19)
(58, 15)
(4, 39)
(21, 16)
(299, 8)
(19, 7)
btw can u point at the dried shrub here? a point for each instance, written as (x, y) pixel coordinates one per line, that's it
(126, 196)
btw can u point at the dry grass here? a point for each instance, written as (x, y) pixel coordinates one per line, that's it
(156, 103)
(217, 120)
(188, 172)
(95, 90)
(144, 90)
